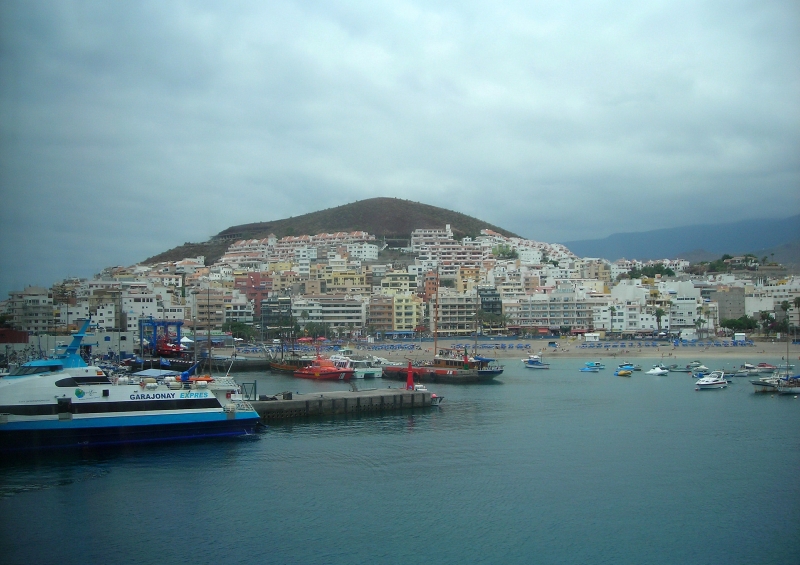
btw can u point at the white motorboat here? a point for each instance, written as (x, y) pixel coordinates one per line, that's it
(658, 370)
(362, 368)
(715, 379)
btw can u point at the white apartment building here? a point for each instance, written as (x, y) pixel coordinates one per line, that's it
(427, 237)
(342, 313)
(562, 308)
(453, 313)
(363, 251)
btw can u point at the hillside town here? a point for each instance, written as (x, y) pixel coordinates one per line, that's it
(337, 286)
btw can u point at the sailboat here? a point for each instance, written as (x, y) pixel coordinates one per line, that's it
(448, 365)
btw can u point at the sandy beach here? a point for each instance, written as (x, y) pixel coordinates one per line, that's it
(761, 351)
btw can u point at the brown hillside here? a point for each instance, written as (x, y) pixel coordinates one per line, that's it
(390, 218)
(384, 217)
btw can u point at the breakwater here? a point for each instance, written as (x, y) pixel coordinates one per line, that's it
(292, 405)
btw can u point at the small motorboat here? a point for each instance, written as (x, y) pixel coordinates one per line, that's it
(658, 370)
(675, 368)
(595, 364)
(535, 362)
(590, 369)
(623, 373)
(715, 379)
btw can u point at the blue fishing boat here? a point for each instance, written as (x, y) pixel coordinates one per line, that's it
(535, 362)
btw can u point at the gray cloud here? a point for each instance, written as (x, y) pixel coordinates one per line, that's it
(128, 128)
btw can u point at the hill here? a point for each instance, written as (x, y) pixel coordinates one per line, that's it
(735, 238)
(392, 219)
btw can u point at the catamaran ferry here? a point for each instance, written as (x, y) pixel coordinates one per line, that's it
(63, 402)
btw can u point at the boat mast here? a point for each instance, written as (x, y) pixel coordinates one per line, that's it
(436, 316)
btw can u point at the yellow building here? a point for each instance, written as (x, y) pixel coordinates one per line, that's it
(344, 281)
(407, 312)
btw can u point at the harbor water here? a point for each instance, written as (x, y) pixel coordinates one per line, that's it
(544, 466)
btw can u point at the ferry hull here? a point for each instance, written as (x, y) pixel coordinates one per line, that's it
(55, 434)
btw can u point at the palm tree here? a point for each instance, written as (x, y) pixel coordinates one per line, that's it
(706, 311)
(765, 317)
(611, 309)
(659, 314)
(699, 323)
(785, 308)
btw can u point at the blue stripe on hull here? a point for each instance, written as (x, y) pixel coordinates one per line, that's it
(95, 436)
(76, 423)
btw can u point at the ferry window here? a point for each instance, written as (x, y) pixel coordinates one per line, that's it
(68, 382)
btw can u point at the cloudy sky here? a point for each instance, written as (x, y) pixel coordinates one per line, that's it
(130, 127)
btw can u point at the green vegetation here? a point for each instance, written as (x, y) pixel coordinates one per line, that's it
(492, 320)
(505, 252)
(745, 323)
(315, 329)
(240, 330)
(727, 262)
(651, 271)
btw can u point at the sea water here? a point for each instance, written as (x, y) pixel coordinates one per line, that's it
(545, 466)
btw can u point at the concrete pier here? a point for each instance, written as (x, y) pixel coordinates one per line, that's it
(292, 405)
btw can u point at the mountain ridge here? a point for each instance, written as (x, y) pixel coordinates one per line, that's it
(735, 238)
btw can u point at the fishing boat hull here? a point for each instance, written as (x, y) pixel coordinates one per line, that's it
(289, 366)
(324, 375)
(765, 385)
(440, 375)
